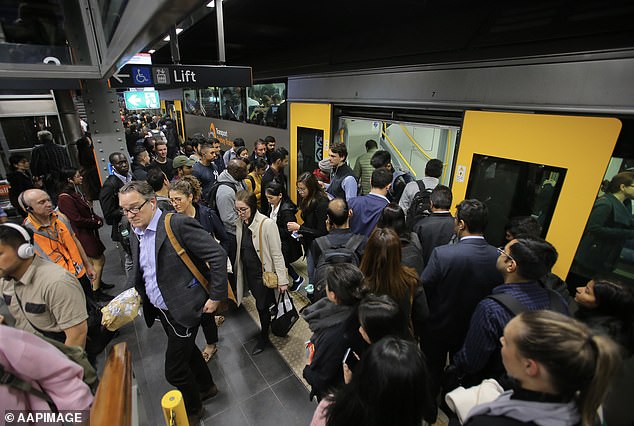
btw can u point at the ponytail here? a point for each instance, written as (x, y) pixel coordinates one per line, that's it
(608, 362)
(581, 365)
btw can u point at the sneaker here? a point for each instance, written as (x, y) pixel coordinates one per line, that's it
(297, 284)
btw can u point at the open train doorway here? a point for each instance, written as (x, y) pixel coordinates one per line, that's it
(411, 145)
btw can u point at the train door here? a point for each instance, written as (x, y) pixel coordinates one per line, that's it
(310, 138)
(545, 166)
(410, 145)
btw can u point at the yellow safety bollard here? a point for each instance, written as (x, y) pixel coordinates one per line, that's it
(174, 409)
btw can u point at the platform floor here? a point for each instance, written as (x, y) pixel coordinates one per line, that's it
(254, 390)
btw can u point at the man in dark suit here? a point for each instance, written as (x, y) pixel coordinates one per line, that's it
(437, 229)
(170, 291)
(456, 278)
(109, 200)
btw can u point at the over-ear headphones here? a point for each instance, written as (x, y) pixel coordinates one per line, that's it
(25, 251)
(23, 203)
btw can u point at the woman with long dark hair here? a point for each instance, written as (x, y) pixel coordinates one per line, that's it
(389, 387)
(393, 217)
(259, 250)
(184, 195)
(334, 323)
(385, 274)
(314, 206)
(562, 372)
(85, 223)
(86, 158)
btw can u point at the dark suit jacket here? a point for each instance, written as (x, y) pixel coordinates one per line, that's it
(456, 278)
(183, 295)
(433, 231)
(109, 200)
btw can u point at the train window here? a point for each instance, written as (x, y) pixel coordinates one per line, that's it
(410, 145)
(210, 102)
(512, 188)
(232, 104)
(310, 145)
(266, 104)
(606, 249)
(192, 106)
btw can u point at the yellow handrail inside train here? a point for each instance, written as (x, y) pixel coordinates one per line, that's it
(415, 143)
(446, 162)
(396, 149)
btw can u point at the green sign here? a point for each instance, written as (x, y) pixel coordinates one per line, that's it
(142, 100)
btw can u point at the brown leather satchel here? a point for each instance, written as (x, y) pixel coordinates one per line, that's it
(187, 260)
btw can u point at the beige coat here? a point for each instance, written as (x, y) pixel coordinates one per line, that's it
(271, 256)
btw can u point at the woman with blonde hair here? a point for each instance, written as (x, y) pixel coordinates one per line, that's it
(184, 195)
(561, 368)
(259, 250)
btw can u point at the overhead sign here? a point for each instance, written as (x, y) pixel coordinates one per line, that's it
(142, 100)
(177, 76)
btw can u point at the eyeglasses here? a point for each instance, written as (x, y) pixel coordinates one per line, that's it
(242, 210)
(501, 251)
(134, 210)
(302, 190)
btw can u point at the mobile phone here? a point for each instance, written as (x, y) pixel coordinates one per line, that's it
(350, 358)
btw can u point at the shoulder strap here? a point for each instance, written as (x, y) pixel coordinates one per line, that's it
(509, 302)
(252, 180)
(556, 303)
(354, 242)
(12, 381)
(183, 254)
(262, 263)
(421, 185)
(322, 245)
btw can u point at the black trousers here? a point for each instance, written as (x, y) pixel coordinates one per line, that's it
(210, 329)
(436, 351)
(185, 367)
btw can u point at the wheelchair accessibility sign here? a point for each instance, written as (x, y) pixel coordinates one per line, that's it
(142, 76)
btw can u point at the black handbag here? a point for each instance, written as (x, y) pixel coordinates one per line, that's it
(285, 320)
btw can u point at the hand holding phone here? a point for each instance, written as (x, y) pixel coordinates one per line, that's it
(351, 359)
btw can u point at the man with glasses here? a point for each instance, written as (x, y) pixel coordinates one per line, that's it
(522, 262)
(170, 291)
(456, 278)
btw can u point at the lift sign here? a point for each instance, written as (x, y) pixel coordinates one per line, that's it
(142, 100)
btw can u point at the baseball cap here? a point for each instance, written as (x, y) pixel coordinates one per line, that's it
(182, 160)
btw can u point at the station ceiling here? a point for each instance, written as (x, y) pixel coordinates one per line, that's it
(289, 37)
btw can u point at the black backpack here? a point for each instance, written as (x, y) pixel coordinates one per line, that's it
(211, 197)
(421, 205)
(333, 254)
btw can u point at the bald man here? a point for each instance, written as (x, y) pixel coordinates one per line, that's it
(53, 236)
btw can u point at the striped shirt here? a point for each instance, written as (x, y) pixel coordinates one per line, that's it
(48, 158)
(482, 345)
